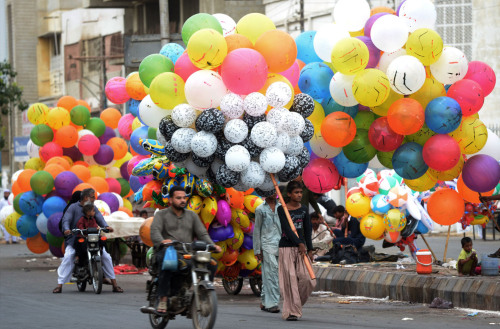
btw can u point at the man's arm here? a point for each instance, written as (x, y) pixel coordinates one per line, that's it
(68, 216)
(257, 230)
(156, 229)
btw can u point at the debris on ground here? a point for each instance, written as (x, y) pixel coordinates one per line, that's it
(407, 319)
(441, 304)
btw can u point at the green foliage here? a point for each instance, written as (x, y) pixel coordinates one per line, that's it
(10, 92)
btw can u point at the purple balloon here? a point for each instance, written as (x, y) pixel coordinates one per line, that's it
(73, 152)
(247, 242)
(220, 233)
(108, 134)
(56, 251)
(105, 155)
(124, 171)
(65, 182)
(481, 173)
(374, 52)
(399, 7)
(53, 224)
(111, 200)
(135, 183)
(145, 179)
(370, 21)
(223, 215)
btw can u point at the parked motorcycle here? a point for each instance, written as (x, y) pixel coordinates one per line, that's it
(196, 298)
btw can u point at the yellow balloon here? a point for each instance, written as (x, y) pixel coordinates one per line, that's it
(423, 183)
(119, 163)
(251, 202)
(208, 210)
(471, 135)
(127, 204)
(350, 55)
(320, 147)
(237, 240)
(426, 45)
(97, 171)
(358, 205)
(35, 164)
(194, 203)
(372, 226)
(430, 90)
(223, 246)
(450, 174)
(248, 260)
(394, 220)
(371, 87)
(10, 223)
(239, 217)
(275, 77)
(37, 113)
(383, 108)
(206, 49)
(58, 117)
(253, 25)
(317, 116)
(357, 33)
(136, 123)
(167, 90)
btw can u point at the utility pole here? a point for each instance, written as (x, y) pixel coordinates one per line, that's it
(164, 22)
(302, 16)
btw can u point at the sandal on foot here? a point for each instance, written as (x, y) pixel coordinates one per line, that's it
(117, 289)
(57, 290)
(292, 318)
(274, 309)
(162, 307)
(107, 281)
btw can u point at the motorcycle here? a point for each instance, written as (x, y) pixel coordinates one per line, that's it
(89, 269)
(196, 298)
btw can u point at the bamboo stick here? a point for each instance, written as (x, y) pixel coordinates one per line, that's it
(428, 246)
(446, 246)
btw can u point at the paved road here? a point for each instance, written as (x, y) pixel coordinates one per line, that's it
(26, 301)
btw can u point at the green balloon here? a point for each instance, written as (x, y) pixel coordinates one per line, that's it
(54, 240)
(197, 22)
(41, 134)
(153, 65)
(42, 182)
(364, 120)
(360, 150)
(385, 158)
(421, 136)
(97, 126)
(151, 133)
(79, 115)
(16, 204)
(125, 186)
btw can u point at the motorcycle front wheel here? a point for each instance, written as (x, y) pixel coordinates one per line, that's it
(97, 276)
(81, 285)
(157, 322)
(205, 313)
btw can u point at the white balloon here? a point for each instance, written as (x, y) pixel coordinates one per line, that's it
(295, 146)
(41, 223)
(326, 38)
(181, 139)
(406, 75)
(253, 175)
(388, 57)
(272, 160)
(150, 113)
(228, 24)
(84, 132)
(184, 115)
(268, 184)
(10, 199)
(237, 158)
(418, 14)
(16, 175)
(120, 199)
(278, 94)
(389, 33)
(89, 159)
(236, 131)
(276, 116)
(32, 149)
(492, 146)
(282, 141)
(341, 89)
(203, 144)
(294, 124)
(321, 148)
(6, 211)
(204, 89)
(102, 207)
(255, 104)
(450, 67)
(352, 14)
(264, 134)
(231, 106)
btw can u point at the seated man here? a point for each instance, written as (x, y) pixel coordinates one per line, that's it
(321, 236)
(348, 231)
(175, 223)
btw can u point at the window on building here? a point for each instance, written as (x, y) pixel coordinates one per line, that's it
(454, 24)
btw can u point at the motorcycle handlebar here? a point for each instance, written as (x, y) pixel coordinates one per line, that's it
(186, 245)
(86, 231)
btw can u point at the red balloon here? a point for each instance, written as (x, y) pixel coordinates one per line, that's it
(320, 175)
(441, 152)
(483, 74)
(468, 94)
(382, 137)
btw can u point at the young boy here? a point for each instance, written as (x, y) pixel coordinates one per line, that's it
(467, 260)
(88, 220)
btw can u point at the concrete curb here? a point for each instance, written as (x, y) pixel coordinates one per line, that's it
(469, 292)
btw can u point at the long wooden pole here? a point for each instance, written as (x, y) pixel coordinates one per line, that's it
(290, 222)
(428, 246)
(446, 246)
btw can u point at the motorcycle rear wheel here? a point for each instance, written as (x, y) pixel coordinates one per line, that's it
(157, 322)
(256, 285)
(97, 276)
(81, 285)
(204, 315)
(233, 287)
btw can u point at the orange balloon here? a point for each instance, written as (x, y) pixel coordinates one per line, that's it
(60, 161)
(145, 232)
(235, 198)
(83, 103)
(131, 150)
(81, 163)
(111, 116)
(54, 169)
(81, 172)
(66, 136)
(67, 102)
(445, 206)
(83, 186)
(274, 42)
(16, 189)
(24, 179)
(406, 116)
(235, 41)
(147, 191)
(469, 195)
(129, 194)
(99, 183)
(119, 146)
(126, 210)
(338, 129)
(382, 9)
(36, 244)
(135, 87)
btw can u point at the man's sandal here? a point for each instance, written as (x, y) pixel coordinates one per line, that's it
(117, 289)
(57, 290)
(162, 307)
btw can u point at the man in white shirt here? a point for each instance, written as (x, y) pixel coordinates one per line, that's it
(321, 236)
(4, 202)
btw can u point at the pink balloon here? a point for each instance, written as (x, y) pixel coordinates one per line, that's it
(50, 150)
(115, 90)
(292, 74)
(244, 71)
(184, 67)
(483, 74)
(223, 215)
(441, 152)
(468, 94)
(320, 175)
(125, 125)
(89, 144)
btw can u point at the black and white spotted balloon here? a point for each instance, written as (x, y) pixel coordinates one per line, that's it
(173, 155)
(226, 177)
(264, 134)
(231, 106)
(167, 127)
(278, 94)
(308, 131)
(253, 175)
(303, 104)
(272, 160)
(252, 121)
(204, 144)
(291, 169)
(159, 137)
(184, 115)
(304, 157)
(294, 124)
(255, 104)
(236, 131)
(203, 161)
(282, 141)
(295, 146)
(265, 194)
(276, 117)
(222, 146)
(211, 120)
(181, 139)
(237, 158)
(268, 184)
(253, 149)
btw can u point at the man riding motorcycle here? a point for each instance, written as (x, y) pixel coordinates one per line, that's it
(174, 223)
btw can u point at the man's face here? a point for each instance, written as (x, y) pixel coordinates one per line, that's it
(296, 195)
(179, 200)
(90, 198)
(315, 222)
(338, 215)
(6, 195)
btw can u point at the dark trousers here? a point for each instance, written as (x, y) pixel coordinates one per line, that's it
(345, 241)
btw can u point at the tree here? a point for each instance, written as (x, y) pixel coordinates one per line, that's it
(10, 95)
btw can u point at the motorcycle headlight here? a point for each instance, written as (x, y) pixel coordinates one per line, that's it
(202, 256)
(93, 238)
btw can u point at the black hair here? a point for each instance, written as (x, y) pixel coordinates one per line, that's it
(465, 240)
(87, 208)
(87, 193)
(313, 215)
(143, 212)
(338, 209)
(292, 186)
(174, 189)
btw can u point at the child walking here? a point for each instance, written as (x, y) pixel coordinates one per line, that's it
(467, 260)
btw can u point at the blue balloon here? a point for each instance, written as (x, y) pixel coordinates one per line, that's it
(305, 47)
(172, 51)
(421, 228)
(135, 184)
(26, 226)
(408, 161)
(44, 237)
(330, 106)
(141, 132)
(31, 203)
(347, 168)
(315, 80)
(443, 115)
(52, 205)
(133, 106)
